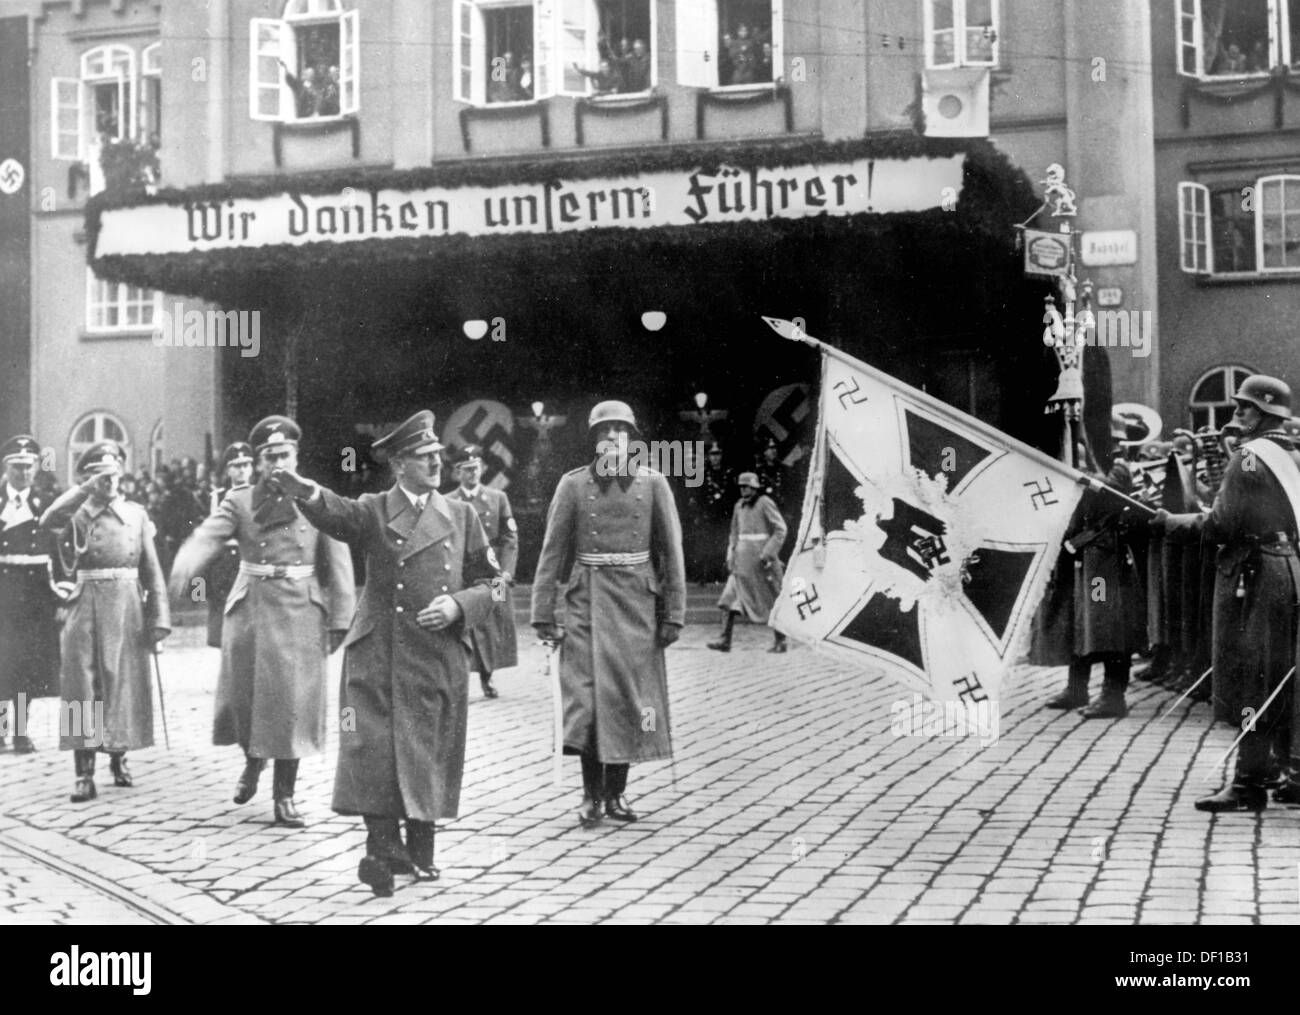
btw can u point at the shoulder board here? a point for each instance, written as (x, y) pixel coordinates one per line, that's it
(578, 471)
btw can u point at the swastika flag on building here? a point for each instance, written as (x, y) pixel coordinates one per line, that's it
(927, 537)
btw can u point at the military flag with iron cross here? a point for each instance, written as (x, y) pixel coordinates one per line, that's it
(927, 536)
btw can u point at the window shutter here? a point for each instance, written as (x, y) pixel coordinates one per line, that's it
(697, 43)
(350, 62)
(1191, 61)
(778, 40)
(67, 98)
(1194, 228)
(546, 68)
(266, 84)
(578, 28)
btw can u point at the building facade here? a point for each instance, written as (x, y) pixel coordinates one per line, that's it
(507, 209)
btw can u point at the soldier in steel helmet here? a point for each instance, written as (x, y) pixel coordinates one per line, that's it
(1256, 588)
(614, 540)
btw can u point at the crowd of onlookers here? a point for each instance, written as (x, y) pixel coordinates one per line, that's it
(316, 90)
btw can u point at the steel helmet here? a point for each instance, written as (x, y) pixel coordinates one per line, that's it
(1267, 394)
(611, 412)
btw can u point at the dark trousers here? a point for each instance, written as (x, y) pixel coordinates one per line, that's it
(601, 781)
(384, 841)
(1115, 665)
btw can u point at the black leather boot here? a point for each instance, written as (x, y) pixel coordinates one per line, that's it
(283, 777)
(419, 846)
(779, 643)
(1110, 704)
(121, 774)
(723, 644)
(615, 802)
(84, 762)
(1075, 694)
(593, 792)
(485, 681)
(246, 787)
(1247, 792)
(385, 855)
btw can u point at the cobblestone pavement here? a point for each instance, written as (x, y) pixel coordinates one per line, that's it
(790, 800)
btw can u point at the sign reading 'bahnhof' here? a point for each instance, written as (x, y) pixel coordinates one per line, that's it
(642, 201)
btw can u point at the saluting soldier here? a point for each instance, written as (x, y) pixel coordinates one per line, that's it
(614, 539)
(1255, 590)
(116, 612)
(494, 641)
(405, 687)
(771, 473)
(1109, 595)
(237, 465)
(291, 603)
(29, 629)
(757, 534)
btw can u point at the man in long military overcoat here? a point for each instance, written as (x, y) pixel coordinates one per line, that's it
(404, 697)
(116, 612)
(494, 641)
(753, 558)
(292, 600)
(29, 629)
(1109, 596)
(614, 540)
(1255, 591)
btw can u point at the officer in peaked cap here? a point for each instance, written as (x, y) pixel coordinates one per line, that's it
(1257, 583)
(771, 473)
(711, 507)
(429, 572)
(494, 641)
(614, 525)
(109, 631)
(291, 602)
(29, 630)
(237, 472)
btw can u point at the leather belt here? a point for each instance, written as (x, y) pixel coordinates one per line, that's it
(614, 559)
(1268, 539)
(292, 571)
(108, 574)
(753, 537)
(23, 559)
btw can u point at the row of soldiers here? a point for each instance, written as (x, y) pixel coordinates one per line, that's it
(609, 592)
(1210, 582)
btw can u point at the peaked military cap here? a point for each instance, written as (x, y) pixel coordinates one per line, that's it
(274, 432)
(414, 437)
(22, 448)
(102, 457)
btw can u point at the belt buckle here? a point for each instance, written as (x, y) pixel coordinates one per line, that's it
(619, 559)
(280, 571)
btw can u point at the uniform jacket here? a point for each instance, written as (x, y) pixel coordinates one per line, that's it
(220, 576)
(106, 640)
(1256, 586)
(274, 643)
(494, 641)
(404, 697)
(612, 673)
(29, 630)
(1109, 589)
(752, 587)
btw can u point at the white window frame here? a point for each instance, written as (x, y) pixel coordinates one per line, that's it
(284, 46)
(157, 448)
(98, 417)
(1279, 41)
(1282, 180)
(1195, 233)
(562, 56)
(959, 37)
(698, 67)
(150, 69)
(107, 64)
(123, 298)
(1196, 213)
(477, 36)
(1229, 388)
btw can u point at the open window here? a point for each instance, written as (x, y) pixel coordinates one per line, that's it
(962, 33)
(97, 107)
(603, 47)
(306, 64)
(729, 43)
(496, 51)
(1221, 39)
(1240, 227)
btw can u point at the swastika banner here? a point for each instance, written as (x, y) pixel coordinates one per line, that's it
(927, 537)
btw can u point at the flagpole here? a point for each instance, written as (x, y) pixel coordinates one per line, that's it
(788, 330)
